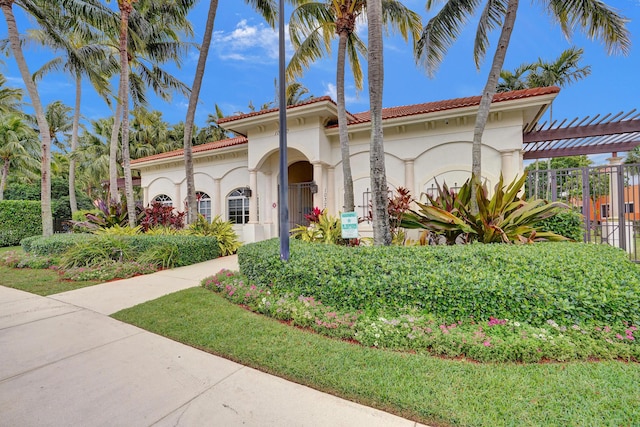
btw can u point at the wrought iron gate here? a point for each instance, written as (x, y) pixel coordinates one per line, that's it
(607, 196)
(300, 202)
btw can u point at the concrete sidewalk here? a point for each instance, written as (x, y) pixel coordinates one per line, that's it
(63, 362)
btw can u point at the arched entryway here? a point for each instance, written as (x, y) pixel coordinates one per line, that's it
(301, 191)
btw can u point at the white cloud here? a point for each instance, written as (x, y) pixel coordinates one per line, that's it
(331, 90)
(247, 43)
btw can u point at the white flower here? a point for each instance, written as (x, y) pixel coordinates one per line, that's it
(516, 324)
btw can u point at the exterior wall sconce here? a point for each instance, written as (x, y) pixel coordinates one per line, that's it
(247, 192)
(314, 188)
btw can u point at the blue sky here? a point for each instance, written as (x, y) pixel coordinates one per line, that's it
(243, 64)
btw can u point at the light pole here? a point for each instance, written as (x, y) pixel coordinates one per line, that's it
(284, 170)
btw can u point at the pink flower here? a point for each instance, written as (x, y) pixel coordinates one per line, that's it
(620, 337)
(487, 343)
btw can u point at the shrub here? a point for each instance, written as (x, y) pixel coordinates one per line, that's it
(163, 255)
(191, 249)
(570, 283)
(568, 223)
(96, 252)
(119, 230)
(503, 218)
(108, 271)
(54, 245)
(110, 214)
(222, 230)
(159, 215)
(19, 219)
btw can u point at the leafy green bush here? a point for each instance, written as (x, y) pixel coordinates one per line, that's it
(568, 223)
(219, 229)
(570, 283)
(54, 245)
(96, 252)
(191, 249)
(163, 255)
(19, 219)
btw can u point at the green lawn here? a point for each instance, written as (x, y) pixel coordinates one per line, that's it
(423, 388)
(36, 281)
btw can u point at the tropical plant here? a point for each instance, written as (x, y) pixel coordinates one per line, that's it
(163, 255)
(503, 218)
(594, 17)
(312, 27)
(118, 230)
(18, 147)
(218, 228)
(83, 54)
(88, 253)
(10, 98)
(322, 228)
(111, 214)
(160, 215)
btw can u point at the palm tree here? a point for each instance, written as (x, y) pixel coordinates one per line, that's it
(312, 28)
(561, 72)
(60, 122)
(33, 8)
(381, 226)
(154, 34)
(18, 147)
(92, 156)
(10, 98)
(84, 54)
(297, 93)
(514, 81)
(267, 9)
(595, 18)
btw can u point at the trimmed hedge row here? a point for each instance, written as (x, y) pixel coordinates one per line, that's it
(566, 282)
(191, 249)
(19, 219)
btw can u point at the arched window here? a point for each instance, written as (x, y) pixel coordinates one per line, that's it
(164, 199)
(204, 204)
(238, 206)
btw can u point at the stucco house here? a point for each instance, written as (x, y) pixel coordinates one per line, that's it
(237, 178)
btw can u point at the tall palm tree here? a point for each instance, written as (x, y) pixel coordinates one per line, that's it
(297, 93)
(381, 226)
(60, 123)
(83, 54)
(267, 9)
(154, 33)
(561, 72)
(18, 147)
(92, 156)
(312, 28)
(516, 80)
(596, 19)
(33, 8)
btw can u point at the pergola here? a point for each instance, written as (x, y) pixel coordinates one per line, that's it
(597, 135)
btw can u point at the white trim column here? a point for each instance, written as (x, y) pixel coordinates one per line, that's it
(268, 196)
(614, 210)
(318, 178)
(253, 200)
(218, 198)
(510, 165)
(145, 196)
(331, 190)
(409, 176)
(179, 204)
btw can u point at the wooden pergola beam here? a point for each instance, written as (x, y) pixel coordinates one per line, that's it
(580, 150)
(609, 128)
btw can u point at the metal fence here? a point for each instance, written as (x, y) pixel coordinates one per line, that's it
(607, 196)
(300, 202)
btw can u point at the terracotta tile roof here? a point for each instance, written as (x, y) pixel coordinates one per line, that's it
(209, 146)
(271, 110)
(450, 104)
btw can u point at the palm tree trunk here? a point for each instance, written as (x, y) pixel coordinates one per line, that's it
(73, 203)
(3, 178)
(192, 212)
(43, 127)
(114, 195)
(487, 97)
(381, 225)
(125, 10)
(349, 204)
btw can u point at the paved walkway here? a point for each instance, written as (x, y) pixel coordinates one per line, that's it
(64, 362)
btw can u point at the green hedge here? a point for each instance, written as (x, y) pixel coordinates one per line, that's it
(566, 282)
(53, 245)
(568, 223)
(19, 219)
(191, 249)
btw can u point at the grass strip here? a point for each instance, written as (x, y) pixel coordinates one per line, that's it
(37, 281)
(419, 387)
